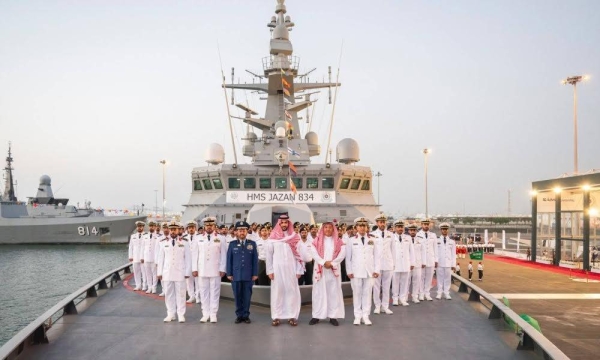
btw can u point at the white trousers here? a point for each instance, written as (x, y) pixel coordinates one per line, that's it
(210, 291)
(137, 274)
(400, 286)
(444, 276)
(427, 275)
(381, 289)
(150, 280)
(417, 281)
(191, 286)
(174, 297)
(362, 290)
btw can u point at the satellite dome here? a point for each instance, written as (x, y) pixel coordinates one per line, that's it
(45, 180)
(312, 138)
(250, 138)
(215, 154)
(348, 151)
(281, 32)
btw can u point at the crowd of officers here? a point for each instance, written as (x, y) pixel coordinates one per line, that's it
(191, 261)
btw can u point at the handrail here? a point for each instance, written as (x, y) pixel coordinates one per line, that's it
(35, 332)
(531, 339)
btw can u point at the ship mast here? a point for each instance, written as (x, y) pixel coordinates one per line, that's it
(9, 188)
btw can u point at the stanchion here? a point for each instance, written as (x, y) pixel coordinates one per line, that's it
(570, 273)
(587, 279)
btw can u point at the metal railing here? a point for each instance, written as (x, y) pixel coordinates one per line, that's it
(35, 332)
(531, 339)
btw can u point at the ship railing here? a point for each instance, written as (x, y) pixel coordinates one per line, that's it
(36, 332)
(530, 338)
(273, 63)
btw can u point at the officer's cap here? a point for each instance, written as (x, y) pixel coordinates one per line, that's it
(151, 223)
(361, 221)
(165, 225)
(140, 223)
(223, 227)
(191, 223)
(180, 224)
(297, 223)
(312, 227)
(350, 227)
(399, 222)
(425, 221)
(241, 225)
(209, 220)
(302, 228)
(412, 226)
(444, 225)
(173, 224)
(381, 216)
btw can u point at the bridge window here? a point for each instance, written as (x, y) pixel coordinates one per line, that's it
(298, 182)
(265, 183)
(343, 213)
(355, 184)
(197, 185)
(345, 183)
(218, 184)
(207, 184)
(249, 183)
(312, 183)
(234, 183)
(366, 185)
(281, 183)
(327, 183)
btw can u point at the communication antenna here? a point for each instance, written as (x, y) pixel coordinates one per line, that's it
(227, 104)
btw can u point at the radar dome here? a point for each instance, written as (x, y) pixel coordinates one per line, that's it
(215, 154)
(347, 151)
(312, 138)
(45, 180)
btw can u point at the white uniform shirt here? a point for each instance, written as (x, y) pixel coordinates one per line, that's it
(157, 246)
(387, 260)
(480, 267)
(403, 253)
(431, 256)
(362, 260)
(446, 252)
(419, 248)
(261, 247)
(209, 256)
(149, 242)
(306, 250)
(136, 246)
(174, 261)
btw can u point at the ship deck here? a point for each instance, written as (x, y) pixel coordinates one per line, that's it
(122, 324)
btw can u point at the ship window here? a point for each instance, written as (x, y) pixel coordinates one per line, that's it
(298, 182)
(366, 185)
(355, 184)
(104, 230)
(281, 183)
(249, 183)
(327, 183)
(312, 183)
(197, 185)
(345, 183)
(234, 183)
(342, 212)
(265, 183)
(207, 184)
(238, 216)
(218, 184)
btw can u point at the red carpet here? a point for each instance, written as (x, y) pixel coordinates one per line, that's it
(545, 267)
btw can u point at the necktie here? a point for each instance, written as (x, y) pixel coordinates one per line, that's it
(173, 241)
(363, 240)
(413, 239)
(139, 235)
(444, 240)
(208, 237)
(425, 234)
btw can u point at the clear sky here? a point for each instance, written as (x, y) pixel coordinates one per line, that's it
(95, 93)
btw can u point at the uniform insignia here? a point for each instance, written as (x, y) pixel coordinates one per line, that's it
(250, 247)
(166, 246)
(370, 242)
(180, 245)
(239, 244)
(217, 241)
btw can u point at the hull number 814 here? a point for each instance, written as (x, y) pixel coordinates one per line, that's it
(86, 231)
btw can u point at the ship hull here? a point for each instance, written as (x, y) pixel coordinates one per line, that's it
(76, 230)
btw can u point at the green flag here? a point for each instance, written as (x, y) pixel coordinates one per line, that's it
(476, 255)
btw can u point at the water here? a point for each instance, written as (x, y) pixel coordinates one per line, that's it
(33, 278)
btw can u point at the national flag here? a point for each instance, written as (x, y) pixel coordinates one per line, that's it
(476, 255)
(293, 170)
(293, 152)
(288, 115)
(293, 186)
(283, 72)
(286, 92)
(285, 83)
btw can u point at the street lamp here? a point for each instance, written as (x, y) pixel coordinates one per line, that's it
(164, 164)
(426, 151)
(379, 175)
(573, 80)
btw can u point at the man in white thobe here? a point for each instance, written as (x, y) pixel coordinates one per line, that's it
(363, 261)
(149, 241)
(209, 262)
(381, 285)
(174, 267)
(403, 253)
(446, 249)
(328, 252)
(284, 268)
(431, 261)
(136, 253)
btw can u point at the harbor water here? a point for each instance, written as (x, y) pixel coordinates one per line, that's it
(33, 278)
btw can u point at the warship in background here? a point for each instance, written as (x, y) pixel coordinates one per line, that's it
(281, 177)
(45, 219)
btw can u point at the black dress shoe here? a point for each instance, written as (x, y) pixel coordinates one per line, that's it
(313, 321)
(247, 320)
(238, 320)
(334, 322)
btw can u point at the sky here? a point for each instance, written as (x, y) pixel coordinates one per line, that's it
(96, 93)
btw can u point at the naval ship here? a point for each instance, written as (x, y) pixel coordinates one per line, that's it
(281, 178)
(45, 219)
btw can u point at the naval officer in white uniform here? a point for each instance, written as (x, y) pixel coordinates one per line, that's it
(446, 250)
(136, 253)
(431, 259)
(381, 285)
(403, 253)
(150, 241)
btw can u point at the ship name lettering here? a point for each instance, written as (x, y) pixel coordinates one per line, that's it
(256, 197)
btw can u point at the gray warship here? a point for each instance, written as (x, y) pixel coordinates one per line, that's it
(280, 177)
(44, 219)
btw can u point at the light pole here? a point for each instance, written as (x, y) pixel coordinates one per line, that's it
(426, 152)
(573, 80)
(164, 164)
(379, 175)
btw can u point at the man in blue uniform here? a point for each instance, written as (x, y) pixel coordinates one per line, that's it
(242, 270)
